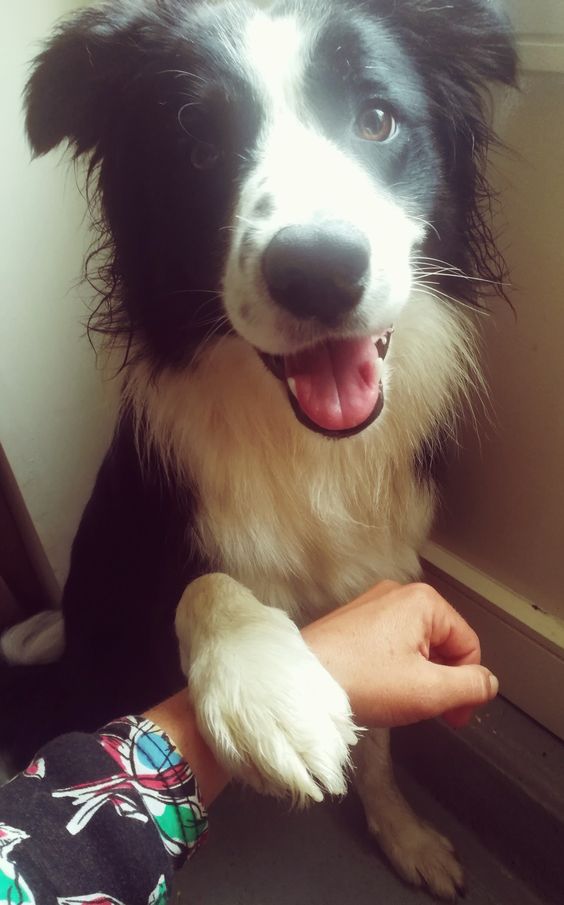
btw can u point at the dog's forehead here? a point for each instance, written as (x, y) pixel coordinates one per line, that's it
(275, 50)
(280, 53)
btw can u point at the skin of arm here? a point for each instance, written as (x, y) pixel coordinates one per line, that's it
(401, 653)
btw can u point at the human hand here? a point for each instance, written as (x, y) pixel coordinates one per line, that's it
(403, 654)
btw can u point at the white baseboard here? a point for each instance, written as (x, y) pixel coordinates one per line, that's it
(522, 644)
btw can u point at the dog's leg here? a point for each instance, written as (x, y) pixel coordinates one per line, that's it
(420, 854)
(272, 714)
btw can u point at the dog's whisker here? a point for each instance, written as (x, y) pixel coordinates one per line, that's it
(205, 342)
(427, 223)
(443, 296)
(183, 73)
(213, 292)
(446, 264)
(245, 220)
(179, 119)
(455, 273)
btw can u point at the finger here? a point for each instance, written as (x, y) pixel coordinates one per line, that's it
(452, 641)
(452, 688)
(460, 717)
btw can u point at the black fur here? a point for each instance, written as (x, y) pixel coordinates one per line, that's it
(145, 91)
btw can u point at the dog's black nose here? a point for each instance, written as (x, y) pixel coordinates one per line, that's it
(317, 270)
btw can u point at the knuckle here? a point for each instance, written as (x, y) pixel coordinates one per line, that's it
(423, 593)
(421, 587)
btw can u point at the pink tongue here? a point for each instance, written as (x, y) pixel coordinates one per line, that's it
(336, 383)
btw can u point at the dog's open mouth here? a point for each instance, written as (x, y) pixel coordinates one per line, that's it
(335, 388)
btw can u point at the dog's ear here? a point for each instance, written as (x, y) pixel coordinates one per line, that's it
(471, 40)
(77, 79)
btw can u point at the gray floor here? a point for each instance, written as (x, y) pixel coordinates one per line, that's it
(259, 854)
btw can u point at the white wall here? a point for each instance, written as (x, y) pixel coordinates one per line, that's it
(537, 18)
(55, 414)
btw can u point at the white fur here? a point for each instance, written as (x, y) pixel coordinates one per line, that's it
(303, 521)
(276, 52)
(272, 713)
(39, 639)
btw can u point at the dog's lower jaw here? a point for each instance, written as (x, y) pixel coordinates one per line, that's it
(420, 855)
(270, 712)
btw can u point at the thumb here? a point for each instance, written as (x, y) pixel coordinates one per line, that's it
(459, 688)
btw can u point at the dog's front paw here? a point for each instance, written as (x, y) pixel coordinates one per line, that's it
(272, 714)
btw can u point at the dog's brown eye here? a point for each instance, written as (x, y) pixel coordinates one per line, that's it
(204, 156)
(376, 124)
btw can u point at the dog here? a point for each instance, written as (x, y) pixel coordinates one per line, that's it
(294, 215)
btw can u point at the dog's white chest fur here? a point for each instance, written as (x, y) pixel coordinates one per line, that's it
(303, 521)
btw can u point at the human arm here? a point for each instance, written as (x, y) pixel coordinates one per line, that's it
(401, 653)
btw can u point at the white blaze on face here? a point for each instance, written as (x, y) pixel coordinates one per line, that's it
(306, 178)
(277, 51)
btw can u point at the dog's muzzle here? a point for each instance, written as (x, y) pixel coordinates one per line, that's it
(318, 272)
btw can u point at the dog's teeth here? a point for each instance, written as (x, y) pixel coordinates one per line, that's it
(292, 386)
(379, 368)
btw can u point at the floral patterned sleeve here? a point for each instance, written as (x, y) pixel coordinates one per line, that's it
(100, 819)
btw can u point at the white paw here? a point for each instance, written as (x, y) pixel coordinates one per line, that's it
(422, 857)
(272, 714)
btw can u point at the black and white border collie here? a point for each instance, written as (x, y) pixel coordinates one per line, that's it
(292, 205)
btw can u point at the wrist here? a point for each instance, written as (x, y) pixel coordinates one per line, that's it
(177, 718)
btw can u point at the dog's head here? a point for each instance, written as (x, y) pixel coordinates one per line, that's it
(285, 174)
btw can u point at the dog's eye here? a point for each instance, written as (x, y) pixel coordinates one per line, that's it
(204, 156)
(376, 123)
